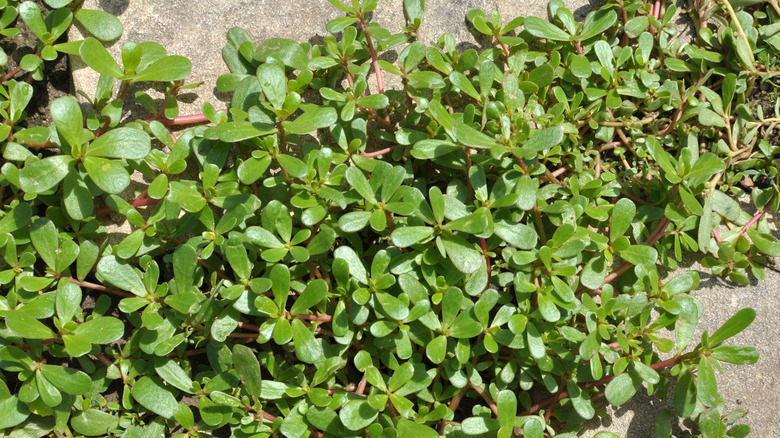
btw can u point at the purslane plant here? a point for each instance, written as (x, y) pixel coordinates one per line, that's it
(477, 253)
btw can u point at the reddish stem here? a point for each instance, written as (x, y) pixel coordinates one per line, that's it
(317, 318)
(99, 287)
(753, 220)
(191, 119)
(380, 85)
(483, 245)
(103, 359)
(248, 326)
(379, 152)
(485, 396)
(16, 71)
(139, 201)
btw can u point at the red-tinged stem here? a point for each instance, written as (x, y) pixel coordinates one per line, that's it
(380, 85)
(539, 224)
(454, 402)
(578, 47)
(244, 335)
(248, 326)
(191, 119)
(314, 269)
(99, 287)
(483, 245)
(104, 360)
(485, 396)
(44, 145)
(753, 220)
(16, 71)
(717, 235)
(563, 394)
(504, 48)
(361, 388)
(379, 152)
(140, 201)
(317, 318)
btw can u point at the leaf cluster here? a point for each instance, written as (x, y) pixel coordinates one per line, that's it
(480, 252)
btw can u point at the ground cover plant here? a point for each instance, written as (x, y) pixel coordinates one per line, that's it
(479, 251)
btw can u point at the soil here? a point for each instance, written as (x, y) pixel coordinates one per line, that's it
(56, 75)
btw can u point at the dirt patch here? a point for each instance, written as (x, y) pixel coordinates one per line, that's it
(56, 80)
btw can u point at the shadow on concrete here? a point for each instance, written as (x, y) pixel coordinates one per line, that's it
(114, 7)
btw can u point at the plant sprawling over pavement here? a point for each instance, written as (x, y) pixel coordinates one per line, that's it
(479, 251)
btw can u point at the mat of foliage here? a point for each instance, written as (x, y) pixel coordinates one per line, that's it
(479, 251)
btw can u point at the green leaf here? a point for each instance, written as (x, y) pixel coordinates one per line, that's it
(26, 326)
(154, 396)
(640, 255)
(129, 143)
(622, 215)
(93, 422)
(466, 135)
(394, 307)
(707, 165)
(66, 113)
(101, 330)
(600, 22)
(248, 369)
(121, 275)
(307, 348)
(166, 69)
(708, 117)
(432, 148)
(18, 217)
(358, 181)
(12, 412)
(294, 167)
(97, 58)
(354, 221)
(544, 139)
(288, 51)
(68, 380)
(706, 385)
(109, 175)
(100, 24)
(594, 272)
(311, 296)
(460, 80)
(580, 400)
(622, 388)
(408, 428)
(462, 254)
(78, 199)
(518, 235)
(376, 101)
(507, 407)
(43, 235)
(474, 223)
(765, 243)
(544, 29)
(580, 66)
(357, 415)
(740, 321)
(174, 374)
(273, 82)
(313, 118)
(738, 354)
(42, 175)
(234, 131)
(32, 17)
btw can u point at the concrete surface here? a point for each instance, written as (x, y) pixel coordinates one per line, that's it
(197, 29)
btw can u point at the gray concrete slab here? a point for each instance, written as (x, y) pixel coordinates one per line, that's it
(197, 29)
